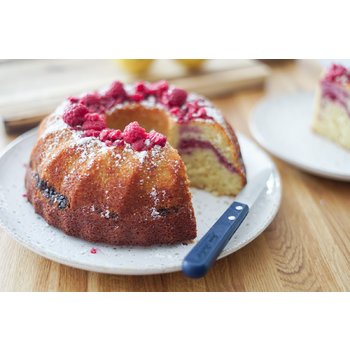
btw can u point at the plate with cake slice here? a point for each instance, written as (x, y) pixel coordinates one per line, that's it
(106, 186)
(310, 130)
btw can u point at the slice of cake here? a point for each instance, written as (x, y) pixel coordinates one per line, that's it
(332, 114)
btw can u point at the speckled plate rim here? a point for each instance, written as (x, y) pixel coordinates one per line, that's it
(263, 142)
(118, 270)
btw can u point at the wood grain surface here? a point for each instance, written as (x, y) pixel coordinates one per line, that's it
(306, 248)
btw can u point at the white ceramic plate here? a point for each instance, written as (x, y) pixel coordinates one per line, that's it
(282, 125)
(17, 217)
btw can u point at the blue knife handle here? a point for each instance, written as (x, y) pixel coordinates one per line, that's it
(199, 260)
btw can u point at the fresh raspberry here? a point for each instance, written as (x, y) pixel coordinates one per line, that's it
(115, 135)
(176, 97)
(158, 88)
(192, 107)
(201, 113)
(74, 114)
(110, 135)
(141, 87)
(93, 117)
(118, 143)
(108, 103)
(134, 132)
(176, 111)
(156, 139)
(116, 91)
(139, 145)
(91, 133)
(72, 99)
(104, 135)
(97, 125)
(94, 121)
(91, 100)
(137, 97)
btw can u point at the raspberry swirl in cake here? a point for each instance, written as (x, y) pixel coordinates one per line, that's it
(335, 86)
(332, 114)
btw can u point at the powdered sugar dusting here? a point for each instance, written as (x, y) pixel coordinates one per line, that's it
(88, 148)
(105, 214)
(154, 195)
(156, 151)
(154, 213)
(54, 124)
(141, 156)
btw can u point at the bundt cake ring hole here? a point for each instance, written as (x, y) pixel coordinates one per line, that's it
(150, 119)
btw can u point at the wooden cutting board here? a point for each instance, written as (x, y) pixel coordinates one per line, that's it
(31, 89)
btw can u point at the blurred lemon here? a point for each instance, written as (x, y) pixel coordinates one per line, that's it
(135, 66)
(192, 64)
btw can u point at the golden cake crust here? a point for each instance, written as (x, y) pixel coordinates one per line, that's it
(113, 196)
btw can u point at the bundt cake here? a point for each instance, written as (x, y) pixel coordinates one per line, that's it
(130, 187)
(332, 114)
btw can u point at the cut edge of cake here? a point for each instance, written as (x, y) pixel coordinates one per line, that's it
(332, 106)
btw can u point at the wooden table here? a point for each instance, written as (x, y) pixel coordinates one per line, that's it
(306, 248)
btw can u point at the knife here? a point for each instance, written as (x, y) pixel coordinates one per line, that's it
(200, 259)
